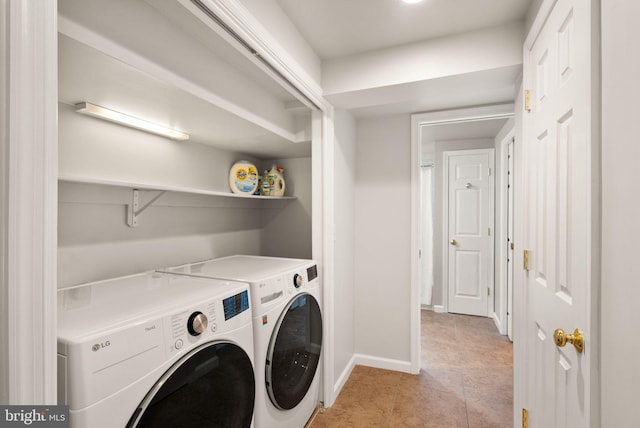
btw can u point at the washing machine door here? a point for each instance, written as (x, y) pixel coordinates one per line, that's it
(294, 352)
(212, 386)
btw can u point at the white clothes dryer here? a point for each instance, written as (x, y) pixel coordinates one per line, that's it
(287, 330)
(156, 350)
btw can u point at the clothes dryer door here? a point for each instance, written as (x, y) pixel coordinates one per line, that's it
(294, 352)
(212, 386)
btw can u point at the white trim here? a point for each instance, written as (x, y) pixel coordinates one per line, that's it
(416, 233)
(418, 121)
(470, 114)
(383, 363)
(439, 309)
(4, 203)
(323, 236)
(501, 232)
(342, 380)
(499, 325)
(32, 209)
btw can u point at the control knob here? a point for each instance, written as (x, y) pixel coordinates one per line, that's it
(297, 280)
(197, 323)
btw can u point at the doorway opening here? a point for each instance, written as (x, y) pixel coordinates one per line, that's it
(433, 134)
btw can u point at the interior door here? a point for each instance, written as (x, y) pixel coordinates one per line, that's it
(470, 222)
(559, 229)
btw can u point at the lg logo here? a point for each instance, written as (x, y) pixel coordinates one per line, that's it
(98, 346)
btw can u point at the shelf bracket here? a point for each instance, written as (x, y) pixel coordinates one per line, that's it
(134, 209)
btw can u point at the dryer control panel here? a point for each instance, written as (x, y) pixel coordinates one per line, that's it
(301, 278)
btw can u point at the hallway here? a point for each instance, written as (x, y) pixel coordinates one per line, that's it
(466, 381)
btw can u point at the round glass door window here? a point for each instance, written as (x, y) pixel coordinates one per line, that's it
(294, 352)
(213, 386)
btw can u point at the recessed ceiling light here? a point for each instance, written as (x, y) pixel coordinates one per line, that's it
(412, 1)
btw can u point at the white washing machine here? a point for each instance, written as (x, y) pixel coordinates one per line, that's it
(156, 350)
(287, 330)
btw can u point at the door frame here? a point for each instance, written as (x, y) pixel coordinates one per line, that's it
(28, 232)
(502, 232)
(446, 289)
(418, 122)
(28, 202)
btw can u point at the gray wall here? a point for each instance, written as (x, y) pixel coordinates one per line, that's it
(382, 237)
(286, 226)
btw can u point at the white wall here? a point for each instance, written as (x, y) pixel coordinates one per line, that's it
(382, 240)
(438, 221)
(481, 50)
(345, 252)
(620, 316)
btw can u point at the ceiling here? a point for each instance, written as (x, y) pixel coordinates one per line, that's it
(338, 28)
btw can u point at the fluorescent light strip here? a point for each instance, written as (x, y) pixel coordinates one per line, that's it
(133, 122)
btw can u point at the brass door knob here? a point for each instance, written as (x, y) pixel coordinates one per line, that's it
(561, 338)
(454, 242)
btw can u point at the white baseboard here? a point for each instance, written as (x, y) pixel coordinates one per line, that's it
(501, 327)
(383, 363)
(344, 376)
(439, 309)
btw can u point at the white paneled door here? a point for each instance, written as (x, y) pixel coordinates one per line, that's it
(561, 219)
(470, 212)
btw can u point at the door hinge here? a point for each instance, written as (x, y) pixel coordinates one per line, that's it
(488, 291)
(527, 100)
(512, 246)
(525, 260)
(488, 231)
(525, 418)
(489, 171)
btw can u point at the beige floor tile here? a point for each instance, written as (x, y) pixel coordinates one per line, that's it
(466, 381)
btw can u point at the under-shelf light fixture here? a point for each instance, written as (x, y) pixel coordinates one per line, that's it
(133, 122)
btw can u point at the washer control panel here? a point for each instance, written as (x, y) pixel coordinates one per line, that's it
(200, 321)
(189, 325)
